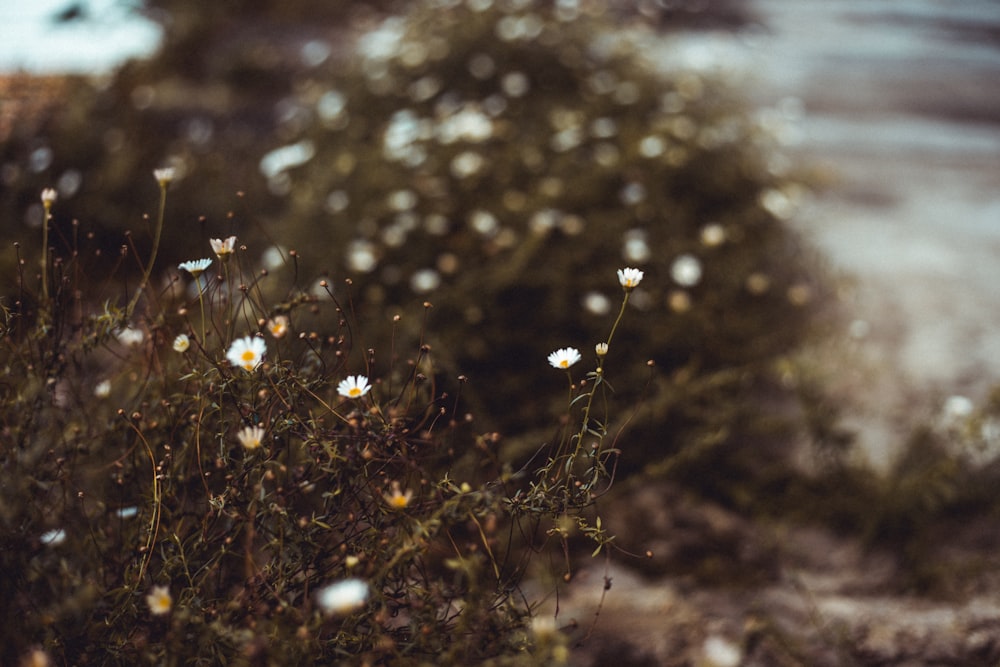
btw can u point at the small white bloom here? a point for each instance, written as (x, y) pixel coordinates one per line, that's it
(251, 437)
(195, 266)
(247, 352)
(343, 597)
(102, 389)
(127, 512)
(159, 600)
(49, 195)
(629, 278)
(398, 500)
(164, 175)
(278, 326)
(53, 537)
(601, 349)
(565, 357)
(223, 248)
(129, 336)
(353, 386)
(182, 343)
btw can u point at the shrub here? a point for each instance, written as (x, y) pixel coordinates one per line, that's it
(196, 476)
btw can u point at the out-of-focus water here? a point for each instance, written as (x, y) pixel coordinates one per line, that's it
(109, 32)
(899, 103)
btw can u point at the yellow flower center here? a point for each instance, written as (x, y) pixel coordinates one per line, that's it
(248, 355)
(354, 392)
(564, 363)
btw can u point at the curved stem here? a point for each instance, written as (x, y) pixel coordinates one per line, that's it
(152, 256)
(621, 312)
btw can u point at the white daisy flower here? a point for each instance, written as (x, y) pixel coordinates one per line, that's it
(182, 343)
(223, 248)
(164, 175)
(398, 500)
(629, 278)
(159, 600)
(247, 352)
(195, 266)
(565, 357)
(278, 325)
(251, 437)
(353, 386)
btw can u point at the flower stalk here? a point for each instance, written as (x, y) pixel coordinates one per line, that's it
(163, 178)
(48, 198)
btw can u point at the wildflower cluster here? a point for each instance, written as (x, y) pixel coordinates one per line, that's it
(578, 469)
(251, 494)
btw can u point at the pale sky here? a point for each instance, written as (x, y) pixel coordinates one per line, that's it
(30, 41)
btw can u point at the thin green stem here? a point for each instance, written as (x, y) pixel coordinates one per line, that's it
(45, 250)
(230, 311)
(598, 378)
(152, 256)
(201, 304)
(621, 312)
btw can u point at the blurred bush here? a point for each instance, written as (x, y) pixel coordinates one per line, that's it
(499, 159)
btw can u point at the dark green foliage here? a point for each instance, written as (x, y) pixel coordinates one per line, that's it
(109, 493)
